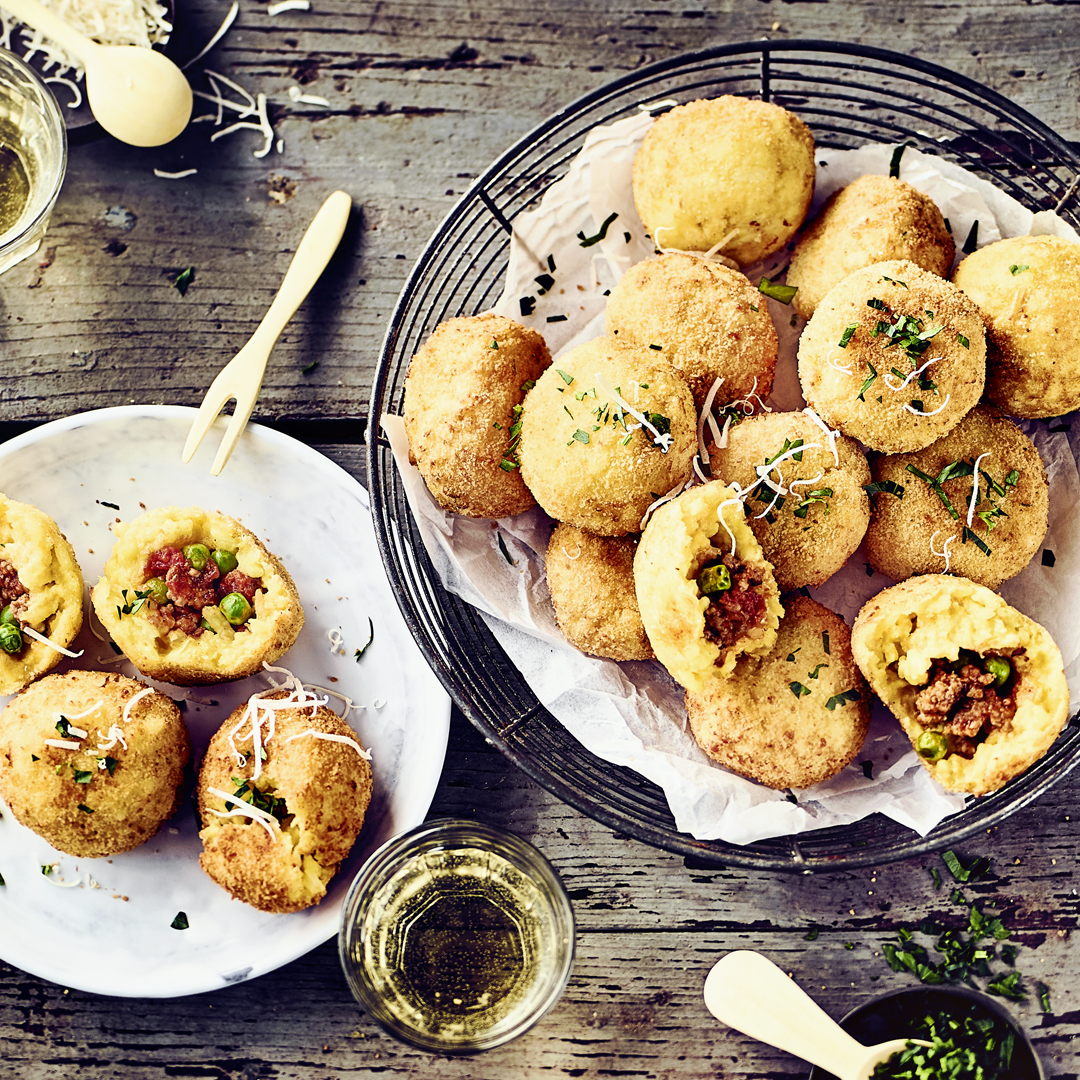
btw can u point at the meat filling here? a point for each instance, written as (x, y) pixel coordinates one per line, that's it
(735, 611)
(190, 590)
(961, 703)
(12, 590)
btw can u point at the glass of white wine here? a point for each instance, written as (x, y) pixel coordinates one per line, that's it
(457, 937)
(33, 158)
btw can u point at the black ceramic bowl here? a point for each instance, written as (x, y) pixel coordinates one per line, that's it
(898, 1014)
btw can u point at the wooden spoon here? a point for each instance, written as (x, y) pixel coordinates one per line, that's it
(139, 95)
(748, 992)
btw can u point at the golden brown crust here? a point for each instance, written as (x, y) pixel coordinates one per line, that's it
(1025, 287)
(957, 372)
(587, 462)
(771, 719)
(701, 315)
(127, 800)
(171, 655)
(906, 532)
(460, 395)
(676, 542)
(901, 631)
(806, 549)
(45, 562)
(873, 219)
(326, 786)
(725, 169)
(591, 579)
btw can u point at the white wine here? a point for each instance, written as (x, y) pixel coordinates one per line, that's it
(457, 946)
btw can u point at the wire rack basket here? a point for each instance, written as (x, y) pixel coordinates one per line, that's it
(849, 96)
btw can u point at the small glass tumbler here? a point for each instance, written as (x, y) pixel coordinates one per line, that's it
(33, 157)
(457, 937)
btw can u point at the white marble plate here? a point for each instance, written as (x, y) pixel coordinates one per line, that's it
(116, 938)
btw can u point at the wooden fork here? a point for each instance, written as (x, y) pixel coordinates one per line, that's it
(241, 378)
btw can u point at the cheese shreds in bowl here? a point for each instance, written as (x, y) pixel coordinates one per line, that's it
(109, 22)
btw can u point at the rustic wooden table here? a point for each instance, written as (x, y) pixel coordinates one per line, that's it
(422, 96)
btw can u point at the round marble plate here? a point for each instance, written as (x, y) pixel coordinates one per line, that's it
(104, 925)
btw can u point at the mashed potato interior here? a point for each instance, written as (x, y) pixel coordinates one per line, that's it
(904, 629)
(222, 654)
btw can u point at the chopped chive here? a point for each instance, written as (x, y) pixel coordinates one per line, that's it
(556, 318)
(588, 241)
(972, 241)
(894, 161)
(783, 293)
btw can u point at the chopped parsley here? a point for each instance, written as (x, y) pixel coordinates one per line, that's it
(130, 607)
(85, 809)
(963, 341)
(867, 769)
(820, 495)
(845, 698)
(180, 922)
(814, 674)
(364, 648)
(556, 318)
(889, 487)
(972, 241)
(825, 642)
(791, 655)
(108, 764)
(935, 875)
(502, 548)
(494, 343)
(545, 281)
(783, 293)
(82, 776)
(183, 280)
(579, 436)
(1018, 268)
(1048, 557)
(565, 376)
(588, 241)
(847, 335)
(869, 381)
(261, 800)
(811, 935)
(894, 161)
(658, 348)
(111, 506)
(527, 304)
(962, 1042)
(976, 869)
(798, 689)
(1041, 987)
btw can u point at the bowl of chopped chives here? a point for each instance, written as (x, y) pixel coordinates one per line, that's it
(970, 1035)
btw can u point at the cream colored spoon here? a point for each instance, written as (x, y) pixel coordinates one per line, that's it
(748, 992)
(139, 95)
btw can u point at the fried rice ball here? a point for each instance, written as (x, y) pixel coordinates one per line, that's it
(708, 321)
(585, 453)
(978, 687)
(794, 716)
(308, 800)
(706, 592)
(92, 761)
(893, 356)
(916, 533)
(1025, 287)
(41, 589)
(873, 219)
(727, 171)
(463, 396)
(166, 611)
(808, 532)
(591, 579)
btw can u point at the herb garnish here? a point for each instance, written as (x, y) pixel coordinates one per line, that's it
(810, 935)
(494, 343)
(798, 689)
(565, 376)
(783, 293)
(825, 642)
(972, 241)
(545, 281)
(814, 674)
(556, 318)
(869, 381)
(894, 161)
(111, 506)
(961, 1044)
(588, 241)
(867, 769)
(1018, 269)
(364, 648)
(820, 495)
(844, 698)
(527, 304)
(180, 922)
(848, 334)
(261, 800)
(82, 776)
(130, 607)
(1048, 557)
(963, 341)
(85, 809)
(502, 548)
(890, 487)
(183, 280)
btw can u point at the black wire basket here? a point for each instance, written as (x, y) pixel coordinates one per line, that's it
(848, 95)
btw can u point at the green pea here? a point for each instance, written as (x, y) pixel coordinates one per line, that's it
(157, 590)
(206, 626)
(7, 617)
(1000, 668)
(235, 608)
(198, 555)
(11, 640)
(226, 560)
(714, 579)
(931, 745)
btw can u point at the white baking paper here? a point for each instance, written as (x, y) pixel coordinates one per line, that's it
(632, 714)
